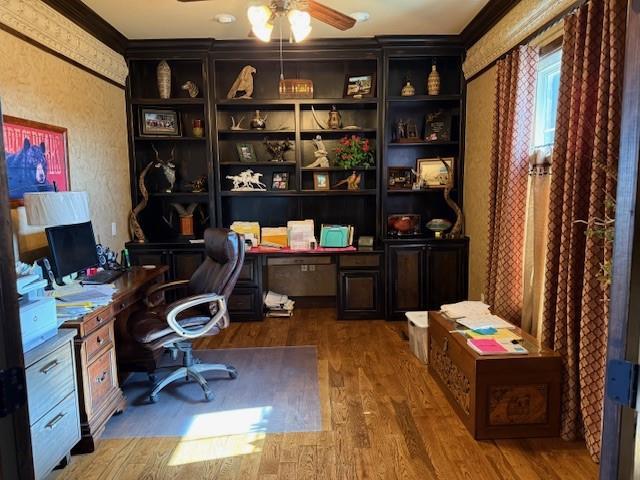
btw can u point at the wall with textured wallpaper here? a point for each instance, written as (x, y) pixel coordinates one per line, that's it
(39, 86)
(479, 128)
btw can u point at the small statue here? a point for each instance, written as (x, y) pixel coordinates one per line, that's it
(258, 122)
(247, 181)
(335, 119)
(199, 185)
(352, 181)
(321, 153)
(400, 131)
(191, 88)
(278, 148)
(168, 167)
(243, 85)
(238, 125)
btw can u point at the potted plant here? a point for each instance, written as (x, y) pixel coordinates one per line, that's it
(354, 151)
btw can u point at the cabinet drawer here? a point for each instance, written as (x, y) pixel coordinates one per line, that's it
(359, 260)
(54, 435)
(308, 260)
(99, 319)
(101, 378)
(49, 380)
(99, 340)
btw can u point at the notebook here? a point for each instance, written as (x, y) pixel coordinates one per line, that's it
(493, 347)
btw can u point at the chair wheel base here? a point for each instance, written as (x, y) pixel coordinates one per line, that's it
(153, 398)
(233, 373)
(208, 395)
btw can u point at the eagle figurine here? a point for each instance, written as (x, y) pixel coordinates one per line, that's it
(243, 86)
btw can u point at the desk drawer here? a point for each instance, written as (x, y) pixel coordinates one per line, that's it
(307, 260)
(99, 340)
(49, 380)
(97, 320)
(351, 261)
(101, 378)
(54, 435)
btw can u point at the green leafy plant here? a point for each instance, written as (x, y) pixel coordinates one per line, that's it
(354, 151)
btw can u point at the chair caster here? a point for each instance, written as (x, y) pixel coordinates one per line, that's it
(153, 398)
(208, 395)
(233, 373)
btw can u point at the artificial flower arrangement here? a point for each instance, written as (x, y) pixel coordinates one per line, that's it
(354, 151)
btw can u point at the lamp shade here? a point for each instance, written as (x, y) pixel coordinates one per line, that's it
(56, 208)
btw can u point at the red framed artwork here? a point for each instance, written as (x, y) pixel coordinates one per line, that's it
(37, 157)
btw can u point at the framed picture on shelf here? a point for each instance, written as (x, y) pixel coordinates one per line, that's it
(437, 126)
(359, 86)
(280, 181)
(399, 178)
(321, 181)
(37, 158)
(246, 153)
(432, 172)
(159, 122)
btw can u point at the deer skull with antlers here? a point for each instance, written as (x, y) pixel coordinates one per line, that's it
(168, 167)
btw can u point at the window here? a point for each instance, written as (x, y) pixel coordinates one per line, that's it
(548, 85)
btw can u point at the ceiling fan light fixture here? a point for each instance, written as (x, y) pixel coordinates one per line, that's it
(263, 32)
(300, 22)
(258, 15)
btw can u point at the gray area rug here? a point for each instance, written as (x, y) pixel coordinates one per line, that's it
(276, 391)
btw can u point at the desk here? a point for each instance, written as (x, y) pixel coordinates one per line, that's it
(95, 346)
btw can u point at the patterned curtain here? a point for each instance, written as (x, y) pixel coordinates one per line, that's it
(512, 134)
(584, 164)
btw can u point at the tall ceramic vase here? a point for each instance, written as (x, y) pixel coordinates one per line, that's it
(164, 79)
(433, 81)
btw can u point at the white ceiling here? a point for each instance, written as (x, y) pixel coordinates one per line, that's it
(138, 19)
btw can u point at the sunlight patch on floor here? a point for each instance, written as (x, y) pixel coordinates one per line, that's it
(214, 448)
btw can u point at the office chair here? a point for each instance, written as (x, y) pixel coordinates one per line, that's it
(203, 312)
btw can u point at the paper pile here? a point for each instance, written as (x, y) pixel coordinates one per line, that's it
(278, 305)
(75, 303)
(467, 308)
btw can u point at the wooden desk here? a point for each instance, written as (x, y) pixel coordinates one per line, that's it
(501, 396)
(95, 343)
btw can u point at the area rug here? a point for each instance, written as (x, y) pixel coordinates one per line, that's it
(276, 392)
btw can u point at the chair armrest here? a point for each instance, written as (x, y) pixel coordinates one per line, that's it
(164, 287)
(174, 309)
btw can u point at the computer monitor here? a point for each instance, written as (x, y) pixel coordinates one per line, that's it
(73, 248)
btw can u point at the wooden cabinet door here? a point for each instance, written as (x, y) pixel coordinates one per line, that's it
(406, 278)
(359, 295)
(445, 273)
(245, 304)
(185, 263)
(149, 257)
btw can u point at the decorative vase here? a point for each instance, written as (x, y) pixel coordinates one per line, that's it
(198, 130)
(433, 81)
(408, 90)
(163, 73)
(335, 119)
(258, 122)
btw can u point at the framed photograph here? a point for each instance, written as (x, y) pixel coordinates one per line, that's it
(280, 181)
(437, 126)
(359, 86)
(246, 153)
(399, 178)
(159, 122)
(37, 157)
(321, 181)
(432, 172)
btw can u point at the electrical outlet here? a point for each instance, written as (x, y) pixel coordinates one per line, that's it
(312, 268)
(304, 268)
(114, 229)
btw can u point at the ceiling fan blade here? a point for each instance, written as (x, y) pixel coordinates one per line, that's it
(330, 16)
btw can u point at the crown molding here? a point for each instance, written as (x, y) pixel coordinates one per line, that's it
(46, 27)
(486, 18)
(518, 25)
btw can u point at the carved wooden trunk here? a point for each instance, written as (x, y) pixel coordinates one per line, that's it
(512, 396)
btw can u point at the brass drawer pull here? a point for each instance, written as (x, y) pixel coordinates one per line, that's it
(99, 319)
(102, 377)
(99, 340)
(52, 424)
(49, 366)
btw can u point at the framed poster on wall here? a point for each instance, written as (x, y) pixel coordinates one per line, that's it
(37, 157)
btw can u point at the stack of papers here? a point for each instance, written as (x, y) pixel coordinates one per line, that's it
(74, 303)
(467, 308)
(479, 322)
(278, 305)
(500, 334)
(494, 347)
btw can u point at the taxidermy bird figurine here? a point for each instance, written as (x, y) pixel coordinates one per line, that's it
(243, 86)
(352, 181)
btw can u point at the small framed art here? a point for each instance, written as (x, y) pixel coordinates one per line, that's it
(159, 123)
(359, 86)
(433, 173)
(437, 126)
(399, 178)
(280, 181)
(246, 153)
(321, 181)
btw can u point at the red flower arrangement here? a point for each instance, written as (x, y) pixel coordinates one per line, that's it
(354, 151)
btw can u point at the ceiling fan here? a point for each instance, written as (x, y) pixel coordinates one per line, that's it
(298, 12)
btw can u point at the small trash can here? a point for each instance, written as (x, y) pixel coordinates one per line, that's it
(418, 323)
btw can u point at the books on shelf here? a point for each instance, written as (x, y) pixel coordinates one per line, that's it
(278, 305)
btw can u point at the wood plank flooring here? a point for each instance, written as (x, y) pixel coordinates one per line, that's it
(384, 417)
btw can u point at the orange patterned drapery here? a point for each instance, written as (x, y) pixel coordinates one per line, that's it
(512, 133)
(586, 147)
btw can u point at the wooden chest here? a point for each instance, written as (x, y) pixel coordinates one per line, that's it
(512, 396)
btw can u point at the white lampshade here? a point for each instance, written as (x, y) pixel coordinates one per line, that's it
(56, 208)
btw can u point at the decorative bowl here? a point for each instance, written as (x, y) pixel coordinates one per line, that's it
(438, 225)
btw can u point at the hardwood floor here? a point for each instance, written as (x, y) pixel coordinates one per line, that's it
(383, 418)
